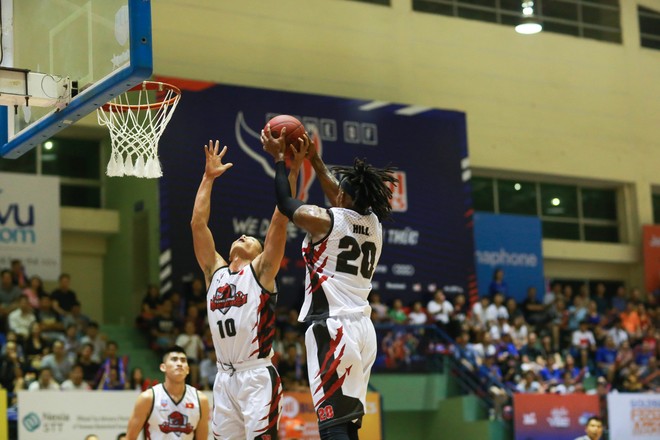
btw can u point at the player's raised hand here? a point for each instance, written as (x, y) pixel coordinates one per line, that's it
(214, 166)
(274, 146)
(299, 153)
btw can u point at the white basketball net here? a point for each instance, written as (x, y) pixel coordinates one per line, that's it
(136, 125)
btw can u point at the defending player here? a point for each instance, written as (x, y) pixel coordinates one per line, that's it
(171, 410)
(241, 296)
(341, 251)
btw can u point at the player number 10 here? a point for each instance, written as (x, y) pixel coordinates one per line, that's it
(228, 328)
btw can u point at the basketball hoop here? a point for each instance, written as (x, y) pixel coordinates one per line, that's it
(136, 120)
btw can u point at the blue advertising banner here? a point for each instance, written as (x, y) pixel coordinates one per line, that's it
(430, 240)
(511, 243)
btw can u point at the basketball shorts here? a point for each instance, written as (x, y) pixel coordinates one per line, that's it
(246, 401)
(340, 353)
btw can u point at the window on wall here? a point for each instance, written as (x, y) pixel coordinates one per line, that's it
(77, 162)
(649, 27)
(567, 212)
(656, 208)
(595, 19)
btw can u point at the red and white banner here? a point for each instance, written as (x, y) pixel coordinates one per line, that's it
(651, 257)
(634, 416)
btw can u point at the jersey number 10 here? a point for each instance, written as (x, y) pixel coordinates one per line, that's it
(228, 328)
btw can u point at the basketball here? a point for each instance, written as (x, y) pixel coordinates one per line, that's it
(294, 129)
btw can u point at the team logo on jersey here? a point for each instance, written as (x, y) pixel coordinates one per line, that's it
(225, 297)
(177, 424)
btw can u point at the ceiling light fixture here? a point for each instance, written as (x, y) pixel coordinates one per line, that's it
(529, 24)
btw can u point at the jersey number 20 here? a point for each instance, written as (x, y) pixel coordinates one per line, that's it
(353, 252)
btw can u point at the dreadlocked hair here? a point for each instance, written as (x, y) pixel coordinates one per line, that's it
(370, 185)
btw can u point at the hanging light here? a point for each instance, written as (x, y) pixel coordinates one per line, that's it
(529, 24)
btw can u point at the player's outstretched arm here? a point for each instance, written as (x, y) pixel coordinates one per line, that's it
(202, 431)
(207, 257)
(140, 414)
(329, 184)
(267, 264)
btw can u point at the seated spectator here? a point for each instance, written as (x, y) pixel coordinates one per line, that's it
(551, 370)
(478, 320)
(58, 362)
(519, 331)
(566, 386)
(292, 367)
(22, 318)
(152, 298)
(196, 295)
(496, 310)
(380, 309)
(512, 309)
(577, 313)
(178, 305)
(111, 381)
(51, 321)
(559, 323)
(45, 382)
(18, 275)
(71, 343)
(532, 348)
(631, 322)
(606, 358)
(89, 367)
(645, 319)
(624, 357)
(164, 327)
(552, 295)
(650, 377)
(465, 353)
(601, 300)
(9, 295)
(193, 315)
(397, 314)
(620, 299)
(484, 346)
(96, 339)
(75, 381)
(114, 369)
(583, 343)
(440, 309)
(417, 315)
(529, 384)
(63, 297)
(500, 328)
(191, 342)
(207, 370)
(576, 373)
(618, 333)
(77, 318)
(457, 320)
(36, 346)
(632, 382)
(11, 364)
(533, 310)
(34, 291)
(593, 317)
(137, 381)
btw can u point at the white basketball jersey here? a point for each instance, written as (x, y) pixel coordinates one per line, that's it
(170, 420)
(341, 265)
(241, 316)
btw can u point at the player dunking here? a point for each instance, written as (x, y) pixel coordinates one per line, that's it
(341, 251)
(171, 410)
(241, 296)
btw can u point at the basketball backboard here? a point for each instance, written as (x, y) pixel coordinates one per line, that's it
(66, 58)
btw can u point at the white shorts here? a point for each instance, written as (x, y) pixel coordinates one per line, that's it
(340, 353)
(247, 402)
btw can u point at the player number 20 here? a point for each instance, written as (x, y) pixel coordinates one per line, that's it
(226, 327)
(353, 252)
